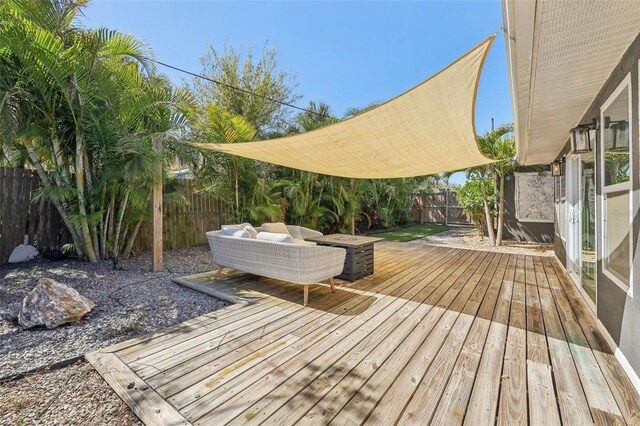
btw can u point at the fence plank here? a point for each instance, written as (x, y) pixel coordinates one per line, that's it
(433, 208)
(185, 225)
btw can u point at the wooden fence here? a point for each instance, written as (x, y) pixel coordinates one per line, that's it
(184, 224)
(439, 207)
(19, 217)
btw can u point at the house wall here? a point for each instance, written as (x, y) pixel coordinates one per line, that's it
(523, 231)
(618, 311)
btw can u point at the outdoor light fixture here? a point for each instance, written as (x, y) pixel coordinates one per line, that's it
(556, 168)
(580, 138)
(620, 133)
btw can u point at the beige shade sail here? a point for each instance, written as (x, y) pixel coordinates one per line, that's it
(426, 130)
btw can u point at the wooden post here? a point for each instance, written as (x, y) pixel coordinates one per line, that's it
(353, 216)
(156, 250)
(446, 207)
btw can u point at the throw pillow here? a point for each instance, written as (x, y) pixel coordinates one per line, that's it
(277, 227)
(275, 237)
(242, 233)
(229, 230)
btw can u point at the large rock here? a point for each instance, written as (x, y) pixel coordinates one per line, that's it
(22, 253)
(52, 304)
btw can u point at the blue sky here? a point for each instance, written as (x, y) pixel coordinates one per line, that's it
(344, 53)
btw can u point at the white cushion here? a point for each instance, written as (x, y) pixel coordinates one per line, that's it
(242, 233)
(303, 242)
(277, 228)
(229, 230)
(275, 237)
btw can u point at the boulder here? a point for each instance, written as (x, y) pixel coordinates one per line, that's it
(52, 304)
(22, 253)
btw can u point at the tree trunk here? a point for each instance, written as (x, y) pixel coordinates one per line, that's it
(116, 239)
(110, 213)
(87, 244)
(500, 212)
(131, 240)
(237, 187)
(487, 214)
(62, 211)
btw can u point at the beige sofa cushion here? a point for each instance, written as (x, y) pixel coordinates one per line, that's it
(277, 227)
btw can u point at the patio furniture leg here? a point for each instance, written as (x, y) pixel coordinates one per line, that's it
(306, 294)
(333, 289)
(219, 272)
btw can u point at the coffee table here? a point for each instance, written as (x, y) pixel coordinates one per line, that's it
(359, 260)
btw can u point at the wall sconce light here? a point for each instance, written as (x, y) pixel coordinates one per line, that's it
(580, 137)
(620, 134)
(556, 168)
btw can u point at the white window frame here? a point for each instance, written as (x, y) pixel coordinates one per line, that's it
(625, 84)
(562, 205)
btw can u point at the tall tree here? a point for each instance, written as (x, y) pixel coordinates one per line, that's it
(250, 87)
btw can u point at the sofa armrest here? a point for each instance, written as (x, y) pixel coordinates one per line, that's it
(302, 233)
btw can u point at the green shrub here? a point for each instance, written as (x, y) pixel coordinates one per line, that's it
(470, 198)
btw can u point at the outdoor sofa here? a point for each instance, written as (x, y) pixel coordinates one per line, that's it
(296, 261)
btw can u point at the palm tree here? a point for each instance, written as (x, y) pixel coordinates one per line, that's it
(249, 183)
(73, 97)
(499, 145)
(482, 175)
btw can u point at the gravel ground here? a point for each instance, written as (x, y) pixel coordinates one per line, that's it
(75, 395)
(129, 302)
(471, 238)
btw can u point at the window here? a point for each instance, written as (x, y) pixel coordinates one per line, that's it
(615, 161)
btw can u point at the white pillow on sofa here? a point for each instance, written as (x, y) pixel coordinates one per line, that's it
(275, 228)
(229, 230)
(242, 233)
(275, 237)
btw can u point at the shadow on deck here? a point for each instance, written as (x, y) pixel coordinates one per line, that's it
(436, 335)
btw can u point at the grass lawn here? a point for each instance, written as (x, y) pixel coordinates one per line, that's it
(412, 232)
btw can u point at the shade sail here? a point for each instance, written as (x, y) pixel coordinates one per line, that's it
(428, 129)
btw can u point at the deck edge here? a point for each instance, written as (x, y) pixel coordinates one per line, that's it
(183, 281)
(132, 389)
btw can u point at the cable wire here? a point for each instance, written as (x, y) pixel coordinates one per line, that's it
(238, 88)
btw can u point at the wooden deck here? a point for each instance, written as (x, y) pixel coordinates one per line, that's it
(435, 336)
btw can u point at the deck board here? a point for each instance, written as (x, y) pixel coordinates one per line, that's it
(437, 335)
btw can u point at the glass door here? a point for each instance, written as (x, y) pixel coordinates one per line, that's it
(588, 225)
(574, 266)
(581, 220)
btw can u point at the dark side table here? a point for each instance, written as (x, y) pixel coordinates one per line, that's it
(359, 260)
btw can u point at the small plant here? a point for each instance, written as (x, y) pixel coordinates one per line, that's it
(134, 324)
(164, 300)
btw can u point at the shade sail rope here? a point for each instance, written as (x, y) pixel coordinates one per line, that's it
(428, 129)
